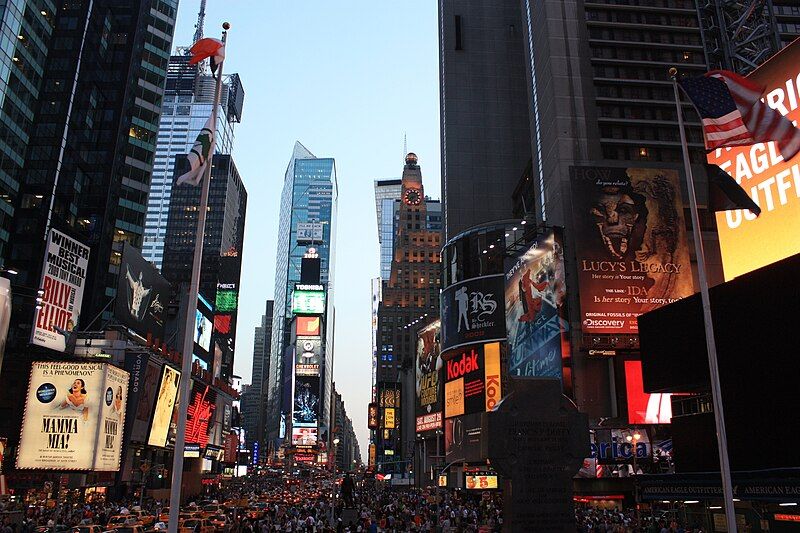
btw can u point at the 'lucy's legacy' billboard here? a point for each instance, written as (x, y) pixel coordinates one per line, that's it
(630, 244)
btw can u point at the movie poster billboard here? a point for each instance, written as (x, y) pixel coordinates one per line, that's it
(536, 309)
(62, 283)
(142, 294)
(428, 372)
(472, 311)
(630, 244)
(306, 401)
(165, 403)
(472, 379)
(74, 417)
(746, 242)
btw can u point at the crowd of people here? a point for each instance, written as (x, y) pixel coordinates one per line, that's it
(592, 520)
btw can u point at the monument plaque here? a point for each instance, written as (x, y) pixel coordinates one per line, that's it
(536, 439)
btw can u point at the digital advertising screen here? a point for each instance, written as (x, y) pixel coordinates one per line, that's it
(304, 436)
(472, 379)
(165, 403)
(142, 295)
(630, 244)
(307, 326)
(472, 311)
(306, 401)
(200, 413)
(480, 480)
(308, 356)
(643, 407)
(74, 417)
(308, 302)
(202, 330)
(747, 242)
(428, 371)
(536, 309)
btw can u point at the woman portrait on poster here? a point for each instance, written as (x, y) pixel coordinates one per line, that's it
(76, 399)
(118, 401)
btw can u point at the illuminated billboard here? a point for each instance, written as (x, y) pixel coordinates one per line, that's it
(428, 371)
(307, 326)
(747, 242)
(74, 417)
(372, 416)
(304, 436)
(472, 380)
(536, 308)
(63, 278)
(202, 330)
(227, 300)
(308, 356)
(165, 403)
(142, 294)
(643, 407)
(200, 413)
(472, 311)
(308, 302)
(480, 480)
(388, 418)
(630, 244)
(306, 401)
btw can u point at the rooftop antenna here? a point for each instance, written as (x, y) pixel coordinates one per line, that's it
(198, 28)
(405, 147)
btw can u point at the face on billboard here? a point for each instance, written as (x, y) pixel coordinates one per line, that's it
(307, 326)
(631, 245)
(472, 379)
(74, 417)
(747, 242)
(202, 330)
(536, 314)
(304, 436)
(165, 403)
(427, 371)
(643, 407)
(306, 400)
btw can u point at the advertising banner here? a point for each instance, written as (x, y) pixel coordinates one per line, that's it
(462, 438)
(74, 417)
(480, 480)
(428, 371)
(472, 311)
(473, 382)
(308, 302)
(136, 366)
(536, 309)
(372, 416)
(747, 242)
(308, 232)
(630, 243)
(142, 294)
(63, 280)
(306, 401)
(165, 404)
(388, 418)
(643, 407)
(308, 356)
(200, 413)
(202, 330)
(143, 409)
(304, 436)
(307, 326)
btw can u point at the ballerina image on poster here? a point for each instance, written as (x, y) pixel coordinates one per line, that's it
(118, 403)
(76, 399)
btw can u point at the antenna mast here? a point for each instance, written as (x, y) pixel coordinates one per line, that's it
(198, 28)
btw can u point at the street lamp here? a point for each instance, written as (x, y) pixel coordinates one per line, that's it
(335, 444)
(634, 440)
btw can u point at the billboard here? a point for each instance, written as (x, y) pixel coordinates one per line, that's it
(306, 401)
(747, 242)
(144, 407)
(536, 309)
(308, 302)
(372, 416)
(227, 298)
(74, 417)
(428, 371)
(142, 294)
(630, 244)
(62, 284)
(308, 232)
(202, 330)
(644, 408)
(165, 404)
(480, 480)
(308, 356)
(200, 413)
(472, 380)
(307, 326)
(389, 421)
(462, 438)
(304, 436)
(472, 311)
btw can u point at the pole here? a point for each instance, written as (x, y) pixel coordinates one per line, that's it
(711, 346)
(188, 337)
(636, 485)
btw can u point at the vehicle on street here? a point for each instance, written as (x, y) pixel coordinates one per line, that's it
(196, 525)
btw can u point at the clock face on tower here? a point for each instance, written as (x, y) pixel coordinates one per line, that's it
(412, 197)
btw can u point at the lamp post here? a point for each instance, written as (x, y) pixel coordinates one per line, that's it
(634, 440)
(335, 444)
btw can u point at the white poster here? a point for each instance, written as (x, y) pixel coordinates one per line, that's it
(74, 417)
(62, 283)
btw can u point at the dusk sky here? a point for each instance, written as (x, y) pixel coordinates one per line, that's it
(347, 80)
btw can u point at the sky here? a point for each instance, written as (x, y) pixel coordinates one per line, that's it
(348, 80)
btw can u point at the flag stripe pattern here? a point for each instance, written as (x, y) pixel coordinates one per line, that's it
(199, 155)
(733, 114)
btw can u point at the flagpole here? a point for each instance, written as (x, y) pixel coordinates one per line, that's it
(188, 333)
(711, 345)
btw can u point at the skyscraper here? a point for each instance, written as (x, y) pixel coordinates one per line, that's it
(307, 219)
(253, 408)
(188, 99)
(387, 192)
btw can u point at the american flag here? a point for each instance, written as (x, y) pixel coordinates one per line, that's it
(733, 114)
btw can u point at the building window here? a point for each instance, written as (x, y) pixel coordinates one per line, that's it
(459, 44)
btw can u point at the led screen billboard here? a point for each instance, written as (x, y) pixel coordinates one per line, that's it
(428, 372)
(480, 480)
(747, 242)
(62, 284)
(306, 401)
(308, 356)
(165, 403)
(74, 417)
(536, 308)
(630, 244)
(472, 379)
(200, 413)
(308, 302)
(202, 330)
(472, 311)
(307, 326)
(643, 407)
(303, 436)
